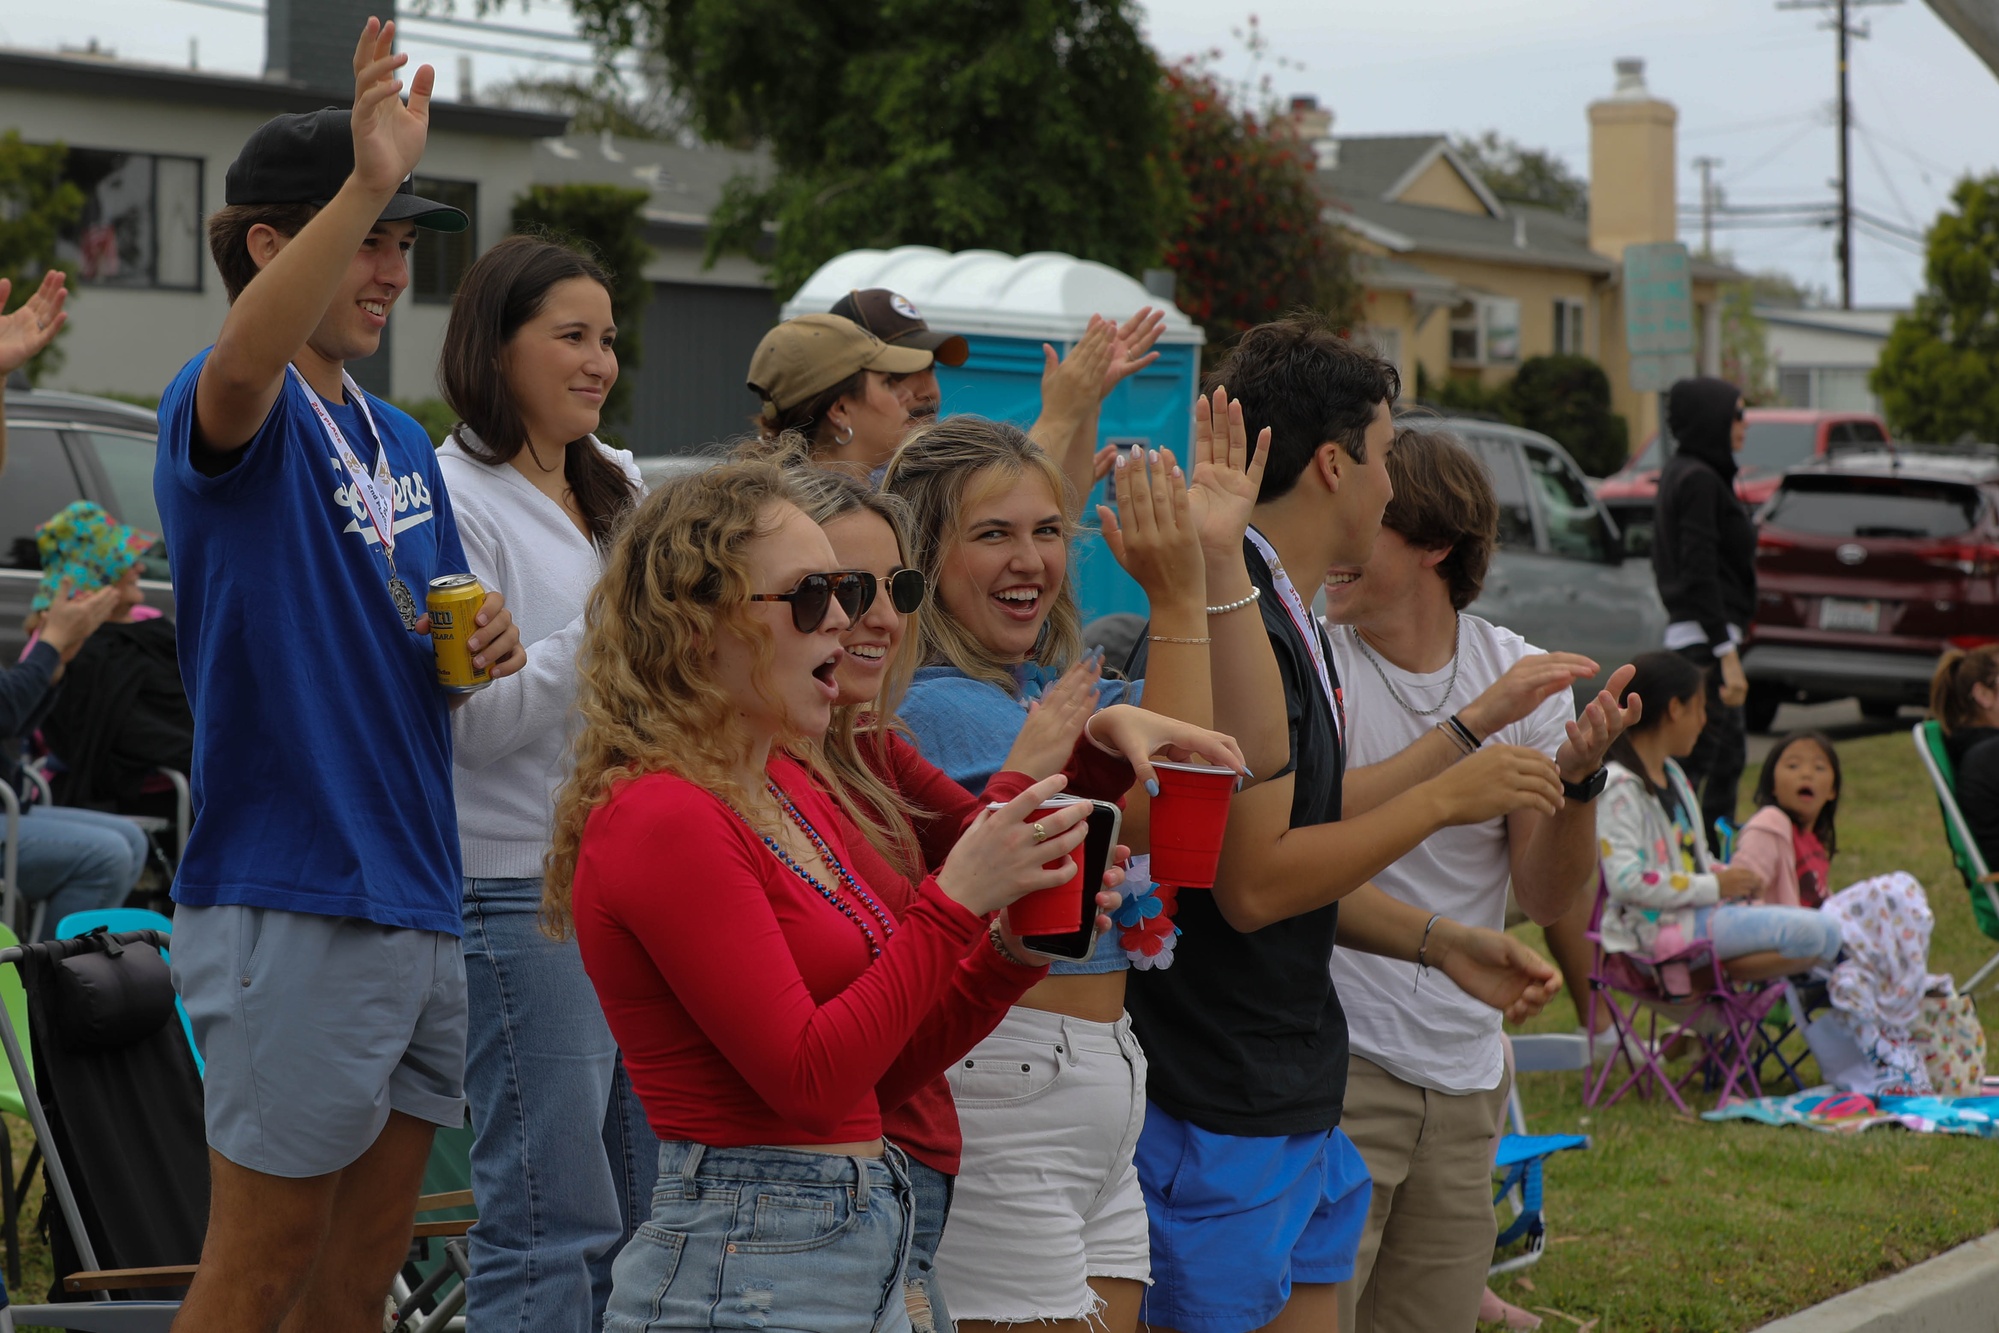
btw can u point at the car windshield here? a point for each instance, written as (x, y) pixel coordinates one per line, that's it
(1772, 446)
(1873, 507)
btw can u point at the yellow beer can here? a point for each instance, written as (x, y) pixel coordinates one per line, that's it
(453, 602)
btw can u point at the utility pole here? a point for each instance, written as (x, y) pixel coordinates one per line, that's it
(1846, 31)
(1706, 166)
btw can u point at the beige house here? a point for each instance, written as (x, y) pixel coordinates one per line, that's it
(1460, 284)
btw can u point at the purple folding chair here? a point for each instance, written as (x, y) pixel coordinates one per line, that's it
(1722, 1016)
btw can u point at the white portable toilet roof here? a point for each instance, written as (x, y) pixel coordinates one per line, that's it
(1041, 295)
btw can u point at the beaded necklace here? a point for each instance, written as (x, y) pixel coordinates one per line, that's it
(846, 909)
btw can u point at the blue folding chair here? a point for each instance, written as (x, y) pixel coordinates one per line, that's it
(118, 920)
(1521, 1155)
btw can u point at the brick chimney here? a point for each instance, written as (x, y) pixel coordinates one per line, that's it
(1633, 176)
(311, 42)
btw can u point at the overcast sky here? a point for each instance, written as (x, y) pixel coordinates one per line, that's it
(1754, 85)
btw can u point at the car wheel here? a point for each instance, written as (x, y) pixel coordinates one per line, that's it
(1880, 710)
(1761, 709)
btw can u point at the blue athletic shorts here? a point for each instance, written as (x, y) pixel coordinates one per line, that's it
(1237, 1220)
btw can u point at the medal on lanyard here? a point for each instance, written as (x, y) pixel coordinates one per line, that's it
(1301, 619)
(377, 492)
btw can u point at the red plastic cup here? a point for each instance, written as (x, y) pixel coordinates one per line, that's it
(1189, 817)
(1056, 911)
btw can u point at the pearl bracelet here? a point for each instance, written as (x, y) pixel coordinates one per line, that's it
(1238, 604)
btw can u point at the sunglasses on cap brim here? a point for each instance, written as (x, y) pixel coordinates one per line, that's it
(854, 589)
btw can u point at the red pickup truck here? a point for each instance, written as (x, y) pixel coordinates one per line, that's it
(1779, 438)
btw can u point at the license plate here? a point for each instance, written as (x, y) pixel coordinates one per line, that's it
(1850, 616)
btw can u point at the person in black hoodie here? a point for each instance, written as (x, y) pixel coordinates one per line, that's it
(1964, 699)
(1704, 558)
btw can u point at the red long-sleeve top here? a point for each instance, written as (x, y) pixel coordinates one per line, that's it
(925, 1124)
(745, 1004)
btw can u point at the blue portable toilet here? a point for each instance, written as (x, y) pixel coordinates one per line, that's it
(1006, 308)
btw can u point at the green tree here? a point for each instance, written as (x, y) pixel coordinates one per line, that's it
(608, 223)
(1522, 175)
(1017, 125)
(1567, 398)
(36, 203)
(1252, 245)
(601, 102)
(1938, 376)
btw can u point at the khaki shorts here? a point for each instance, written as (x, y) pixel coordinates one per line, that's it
(315, 1028)
(1431, 1228)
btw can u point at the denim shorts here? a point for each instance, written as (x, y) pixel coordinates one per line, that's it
(1237, 1220)
(767, 1238)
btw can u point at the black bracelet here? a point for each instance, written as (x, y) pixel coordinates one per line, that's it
(1471, 739)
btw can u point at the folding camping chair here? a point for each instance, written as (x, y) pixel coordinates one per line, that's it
(117, 1117)
(1724, 1019)
(1521, 1155)
(1964, 851)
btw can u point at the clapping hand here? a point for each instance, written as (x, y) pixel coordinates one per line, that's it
(1072, 385)
(1525, 686)
(35, 325)
(1131, 347)
(1055, 721)
(388, 134)
(1601, 723)
(1152, 531)
(1227, 475)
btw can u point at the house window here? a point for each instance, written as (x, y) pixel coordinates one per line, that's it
(1794, 387)
(1569, 328)
(440, 258)
(1485, 331)
(141, 220)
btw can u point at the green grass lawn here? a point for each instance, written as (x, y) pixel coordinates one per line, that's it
(1669, 1223)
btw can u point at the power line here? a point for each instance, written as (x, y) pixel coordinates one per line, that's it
(452, 43)
(1846, 31)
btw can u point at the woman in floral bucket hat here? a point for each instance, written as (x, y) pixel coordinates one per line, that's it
(72, 859)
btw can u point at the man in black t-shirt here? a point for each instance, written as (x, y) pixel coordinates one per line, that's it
(1256, 1200)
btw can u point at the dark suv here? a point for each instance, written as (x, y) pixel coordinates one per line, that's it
(1868, 567)
(63, 447)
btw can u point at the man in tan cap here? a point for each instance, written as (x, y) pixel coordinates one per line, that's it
(836, 384)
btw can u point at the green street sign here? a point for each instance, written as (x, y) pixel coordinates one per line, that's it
(1658, 314)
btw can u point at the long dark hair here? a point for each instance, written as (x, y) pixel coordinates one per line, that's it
(1766, 784)
(504, 289)
(1660, 678)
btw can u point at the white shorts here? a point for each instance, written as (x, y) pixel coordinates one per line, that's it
(1047, 1196)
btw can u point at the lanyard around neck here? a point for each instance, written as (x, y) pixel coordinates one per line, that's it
(378, 492)
(1301, 619)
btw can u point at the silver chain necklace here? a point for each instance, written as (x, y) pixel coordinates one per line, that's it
(1450, 686)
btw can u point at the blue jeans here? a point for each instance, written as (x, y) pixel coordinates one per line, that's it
(930, 1190)
(767, 1238)
(562, 1158)
(1794, 932)
(78, 860)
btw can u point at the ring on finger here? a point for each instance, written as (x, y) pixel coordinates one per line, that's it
(1040, 832)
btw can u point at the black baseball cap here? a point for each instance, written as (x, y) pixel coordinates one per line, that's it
(306, 157)
(894, 319)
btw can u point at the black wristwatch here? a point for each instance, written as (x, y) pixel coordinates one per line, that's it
(1588, 789)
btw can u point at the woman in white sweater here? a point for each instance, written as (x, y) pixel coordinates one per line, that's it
(563, 1161)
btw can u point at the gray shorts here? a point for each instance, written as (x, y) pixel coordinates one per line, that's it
(315, 1028)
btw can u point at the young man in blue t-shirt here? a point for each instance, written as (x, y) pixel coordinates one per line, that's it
(1256, 1200)
(316, 941)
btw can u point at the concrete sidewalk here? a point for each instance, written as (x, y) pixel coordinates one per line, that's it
(1956, 1292)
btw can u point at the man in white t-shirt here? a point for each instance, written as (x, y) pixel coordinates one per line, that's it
(1425, 685)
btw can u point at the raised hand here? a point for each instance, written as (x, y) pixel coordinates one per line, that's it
(1070, 385)
(1152, 531)
(1526, 685)
(35, 325)
(1227, 474)
(1131, 347)
(1055, 721)
(1599, 724)
(388, 134)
